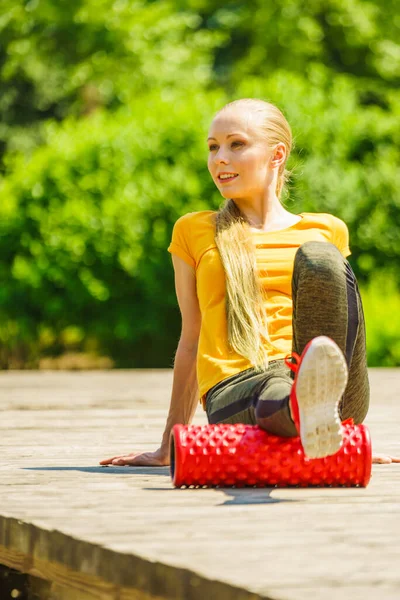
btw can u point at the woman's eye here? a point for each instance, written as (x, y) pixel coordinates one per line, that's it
(213, 146)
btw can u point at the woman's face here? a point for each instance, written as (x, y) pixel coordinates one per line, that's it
(237, 148)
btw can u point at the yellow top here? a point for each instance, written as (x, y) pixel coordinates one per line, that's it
(193, 241)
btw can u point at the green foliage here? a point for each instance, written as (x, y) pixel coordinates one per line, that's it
(85, 225)
(63, 58)
(104, 111)
(355, 37)
(381, 302)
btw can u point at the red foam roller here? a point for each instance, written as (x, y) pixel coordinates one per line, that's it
(246, 455)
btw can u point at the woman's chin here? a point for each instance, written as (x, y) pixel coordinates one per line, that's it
(228, 194)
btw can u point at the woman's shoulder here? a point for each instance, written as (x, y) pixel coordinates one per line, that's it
(336, 229)
(192, 235)
(324, 219)
(199, 216)
(196, 223)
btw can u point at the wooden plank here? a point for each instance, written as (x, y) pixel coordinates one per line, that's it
(65, 518)
(15, 560)
(65, 583)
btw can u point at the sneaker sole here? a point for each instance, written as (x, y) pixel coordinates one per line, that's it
(321, 381)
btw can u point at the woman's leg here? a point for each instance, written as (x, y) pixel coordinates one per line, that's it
(231, 400)
(327, 301)
(255, 399)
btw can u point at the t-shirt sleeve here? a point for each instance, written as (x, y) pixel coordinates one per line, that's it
(180, 241)
(341, 236)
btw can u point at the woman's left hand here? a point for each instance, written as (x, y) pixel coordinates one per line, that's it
(384, 459)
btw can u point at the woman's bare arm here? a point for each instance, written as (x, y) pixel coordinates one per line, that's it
(184, 401)
(185, 394)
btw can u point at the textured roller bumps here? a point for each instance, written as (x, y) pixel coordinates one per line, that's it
(246, 455)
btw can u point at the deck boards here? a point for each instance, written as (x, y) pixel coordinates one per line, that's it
(129, 528)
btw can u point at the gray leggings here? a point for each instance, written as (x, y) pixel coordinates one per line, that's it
(326, 301)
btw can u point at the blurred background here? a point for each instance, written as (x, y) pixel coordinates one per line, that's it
(104, 111)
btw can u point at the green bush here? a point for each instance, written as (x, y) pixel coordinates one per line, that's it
(381, 302)
(86, 222)
(62, 59)
(85, 226)
(112, 101)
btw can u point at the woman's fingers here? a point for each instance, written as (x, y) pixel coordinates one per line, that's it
(130, 459)
(138, 459)
(108, 461)
(384, 459)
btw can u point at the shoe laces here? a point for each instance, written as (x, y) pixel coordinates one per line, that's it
(293, 366)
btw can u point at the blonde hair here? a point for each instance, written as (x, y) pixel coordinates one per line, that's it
(245, 298)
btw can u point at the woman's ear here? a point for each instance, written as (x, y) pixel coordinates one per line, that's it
(278, 155)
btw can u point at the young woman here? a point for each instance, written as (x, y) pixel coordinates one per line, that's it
(256, 284)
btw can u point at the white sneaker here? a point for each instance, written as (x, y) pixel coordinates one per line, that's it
(321, 376)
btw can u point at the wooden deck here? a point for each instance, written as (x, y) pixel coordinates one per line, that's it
(80, 531)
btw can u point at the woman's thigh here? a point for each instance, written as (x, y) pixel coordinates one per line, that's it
(327, 301)
(233, 400)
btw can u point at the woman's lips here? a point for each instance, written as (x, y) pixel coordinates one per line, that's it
(227, 180)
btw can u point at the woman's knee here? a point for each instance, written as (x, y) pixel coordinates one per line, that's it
(322, 259)
(272, 407)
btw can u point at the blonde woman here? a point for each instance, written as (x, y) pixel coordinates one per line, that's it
(256, 285)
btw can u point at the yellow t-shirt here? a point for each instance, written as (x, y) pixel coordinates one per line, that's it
(193, 241)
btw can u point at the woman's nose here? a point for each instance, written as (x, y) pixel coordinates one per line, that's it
(220, 157)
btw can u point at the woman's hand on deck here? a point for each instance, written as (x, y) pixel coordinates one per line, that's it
(384, 459)
(159, 458)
